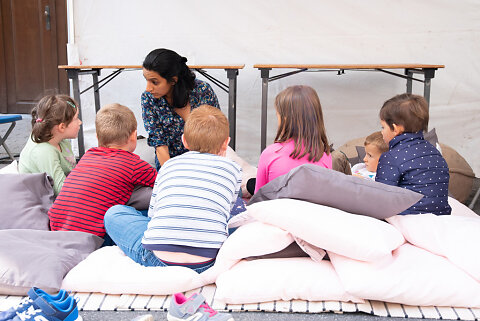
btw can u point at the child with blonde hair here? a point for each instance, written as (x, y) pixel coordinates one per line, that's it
(105, 176)
(301, 136)
(412, 162)
(191, 201)
(48, 150)
(375, 146)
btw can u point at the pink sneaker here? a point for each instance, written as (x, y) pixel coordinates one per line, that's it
(194, 308)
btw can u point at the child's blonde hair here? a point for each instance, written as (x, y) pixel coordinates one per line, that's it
(50, 111)
(301, 119)
(376, 139)
(114, 125)
(407, 110)
(206, 130)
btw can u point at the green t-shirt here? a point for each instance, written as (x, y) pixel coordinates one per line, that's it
(45, 158)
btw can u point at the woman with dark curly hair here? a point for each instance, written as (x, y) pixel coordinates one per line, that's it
(172, 93)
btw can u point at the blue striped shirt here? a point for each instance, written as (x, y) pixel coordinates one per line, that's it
(191, 203)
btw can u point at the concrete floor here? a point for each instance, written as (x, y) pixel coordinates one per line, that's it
(17, 140)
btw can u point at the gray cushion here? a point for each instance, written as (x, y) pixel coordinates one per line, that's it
(323, 186)
(40, 258)
(25, 200)
(140, 198)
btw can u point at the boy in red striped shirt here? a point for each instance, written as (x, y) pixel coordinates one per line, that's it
(105, 176)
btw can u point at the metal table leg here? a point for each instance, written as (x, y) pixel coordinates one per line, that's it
(263, 137)
(232, 104)
(73, 75)
(409, 74)
(429, 74)
(96, 92)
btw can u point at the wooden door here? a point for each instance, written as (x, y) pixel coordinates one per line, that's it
(33, 41)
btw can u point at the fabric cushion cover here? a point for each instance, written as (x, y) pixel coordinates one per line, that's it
(109, 270)
(412, 276)
(40, 258)
(356, 236)
(25, 200)
(319, 185)
(455, 237)
(281, 279)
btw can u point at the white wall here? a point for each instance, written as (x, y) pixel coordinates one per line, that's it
(304, 31)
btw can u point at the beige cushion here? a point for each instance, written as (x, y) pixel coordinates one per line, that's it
(461, 174)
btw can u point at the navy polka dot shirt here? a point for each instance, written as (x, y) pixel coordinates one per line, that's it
(413, 163)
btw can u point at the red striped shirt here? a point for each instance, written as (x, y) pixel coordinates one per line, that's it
(104, 177)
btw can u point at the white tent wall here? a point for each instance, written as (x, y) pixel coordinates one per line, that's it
(109, 32)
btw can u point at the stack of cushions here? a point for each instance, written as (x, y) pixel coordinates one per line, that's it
(461, 174)
(30, 254)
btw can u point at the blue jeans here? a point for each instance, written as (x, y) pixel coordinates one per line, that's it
(126, 226)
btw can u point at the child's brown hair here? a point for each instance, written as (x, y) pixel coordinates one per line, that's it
(407, 110)
(50, 111)
(114, 125)
(206, 130)
(301, 119)
(376, 139)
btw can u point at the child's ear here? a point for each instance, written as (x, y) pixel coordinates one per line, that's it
(62, 127)
(223, 151)
(398, 129)
(184, 142)
(133, 136)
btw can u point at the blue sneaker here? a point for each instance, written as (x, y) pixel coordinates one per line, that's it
(33, 294)
(41, 310)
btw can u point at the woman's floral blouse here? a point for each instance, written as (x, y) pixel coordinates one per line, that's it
(164, 126)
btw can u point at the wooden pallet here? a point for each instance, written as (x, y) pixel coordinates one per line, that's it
(134, 302)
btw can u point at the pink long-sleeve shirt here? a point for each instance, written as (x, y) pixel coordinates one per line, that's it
(275, 161)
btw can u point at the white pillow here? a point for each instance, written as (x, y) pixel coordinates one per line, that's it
(109, 270)
(355, 236)
(413, 276)
(281, 279)
(11, 168)
(459, 209)
(252, 239)
(454, 237)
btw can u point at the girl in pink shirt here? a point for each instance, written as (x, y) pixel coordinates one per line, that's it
(301, 136)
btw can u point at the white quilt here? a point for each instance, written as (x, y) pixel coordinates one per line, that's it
(414, 260)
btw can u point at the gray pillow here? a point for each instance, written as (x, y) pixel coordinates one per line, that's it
(140, 198)
(25, 200)
(352, 194)
(431, 137)
(40, 258)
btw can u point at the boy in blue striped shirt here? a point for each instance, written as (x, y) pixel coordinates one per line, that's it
(191, 201)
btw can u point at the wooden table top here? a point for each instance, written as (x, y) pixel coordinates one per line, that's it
(351, 66)
(140, 67)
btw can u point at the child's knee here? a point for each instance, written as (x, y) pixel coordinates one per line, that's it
(112, 212)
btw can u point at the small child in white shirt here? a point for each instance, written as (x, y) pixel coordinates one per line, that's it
(375, 146)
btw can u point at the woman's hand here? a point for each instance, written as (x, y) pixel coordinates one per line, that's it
(162, 154)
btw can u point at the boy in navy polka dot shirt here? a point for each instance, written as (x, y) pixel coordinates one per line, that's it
(412, 162)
